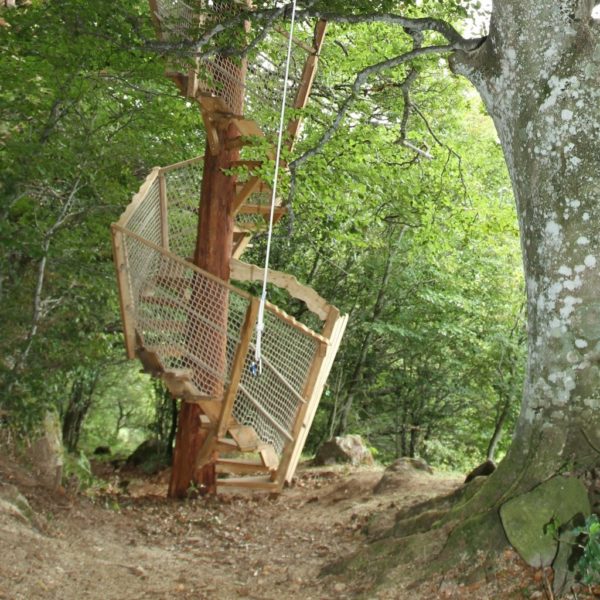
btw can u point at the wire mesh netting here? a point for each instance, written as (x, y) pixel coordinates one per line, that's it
(251, 80)
(194, 322)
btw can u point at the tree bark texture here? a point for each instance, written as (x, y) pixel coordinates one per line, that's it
(538, 74)
(213, 251)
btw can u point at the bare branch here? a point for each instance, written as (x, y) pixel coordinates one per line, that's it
(360, 80)
(444, 28)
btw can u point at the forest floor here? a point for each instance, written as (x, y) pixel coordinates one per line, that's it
(140, 545)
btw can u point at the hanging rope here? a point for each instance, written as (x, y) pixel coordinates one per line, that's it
(260, 324)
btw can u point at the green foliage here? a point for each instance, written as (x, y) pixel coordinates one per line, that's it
(77, 470)
(588, 566)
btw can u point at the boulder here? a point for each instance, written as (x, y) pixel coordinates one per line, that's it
(149, 456)
(46, 453)
(14, 504)
(344, 449)
(399, 471)
(531, 520)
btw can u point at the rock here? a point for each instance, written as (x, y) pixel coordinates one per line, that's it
(14, 504)
(483, 470)
(149, 455)
(528, 519)
(394, 476)
(46, 453)
(344, 449)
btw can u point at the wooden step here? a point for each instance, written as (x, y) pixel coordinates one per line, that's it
(150, 361)
(245, 437)
(226, 445)
(269, 457)
(238, 466)
(256, 483)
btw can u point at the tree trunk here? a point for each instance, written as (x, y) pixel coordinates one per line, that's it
(213, 252)
(540, 85)
(80, 401)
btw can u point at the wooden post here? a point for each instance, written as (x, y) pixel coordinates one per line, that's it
(164, 211)
(333, 329)
(125, 298)
(238, 364)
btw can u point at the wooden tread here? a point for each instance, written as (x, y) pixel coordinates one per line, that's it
(240, 466)
(257, 483)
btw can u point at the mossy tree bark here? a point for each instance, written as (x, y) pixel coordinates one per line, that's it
(538, 75)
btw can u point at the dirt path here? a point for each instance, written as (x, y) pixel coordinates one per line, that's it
(141, 545)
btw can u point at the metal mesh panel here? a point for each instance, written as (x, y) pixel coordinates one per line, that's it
(183, 199)
(194, 322)
(254, 90)
(188, 319)
(270, 401)
(145, 221)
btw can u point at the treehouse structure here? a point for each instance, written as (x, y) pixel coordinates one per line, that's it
(178, 245)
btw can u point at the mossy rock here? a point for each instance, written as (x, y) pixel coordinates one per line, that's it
(531, 521)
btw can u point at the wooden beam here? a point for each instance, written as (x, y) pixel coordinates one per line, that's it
(240, 466)
(240, 244)
(242, 271)
(307, 80)
(245, 437)
(125, 298)
(296, 41)
(334, 327)
(237, 366)
(250, 187)
(164, 211)
(212, 134)
(256, 483)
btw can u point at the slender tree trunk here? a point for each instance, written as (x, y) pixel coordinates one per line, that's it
(357, 372)
(80, 401)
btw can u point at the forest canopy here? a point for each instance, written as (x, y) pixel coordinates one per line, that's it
(404, 219)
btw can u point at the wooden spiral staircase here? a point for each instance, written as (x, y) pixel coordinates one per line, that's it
(192, 328)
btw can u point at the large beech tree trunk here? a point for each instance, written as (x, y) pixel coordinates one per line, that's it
(539, 76)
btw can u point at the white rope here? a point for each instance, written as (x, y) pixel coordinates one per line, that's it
(260, 324)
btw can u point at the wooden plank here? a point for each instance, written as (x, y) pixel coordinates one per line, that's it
(240, 466)
(125, 297)
(240, 245)
(138, 198)
(226, 445)
(248, 127)
(212, 133)
(214, 105)
(337, 327)
(150, 361)
(238, 364)
(269, 457)
(245, 437)
(262, 209)
(192, 82)
(307, 80)
(315, 303)
(164, 211)
(248, 164)
(181, 164)
(256, 483)
(295, 40)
